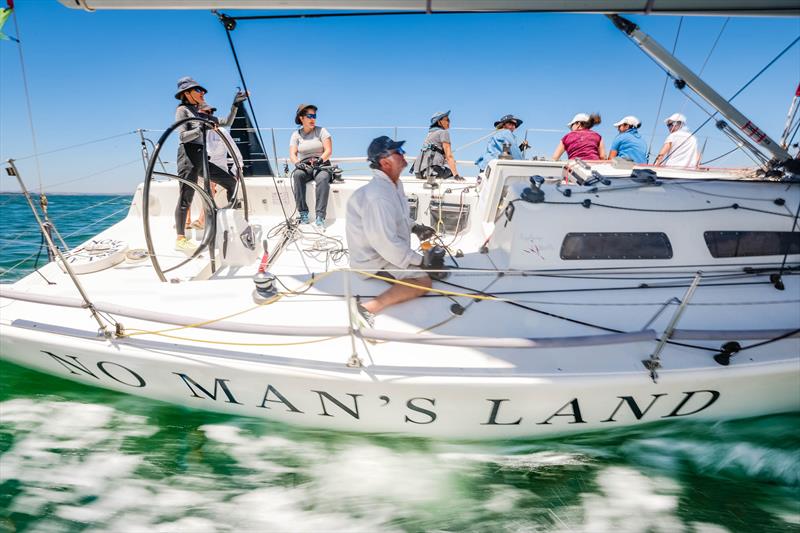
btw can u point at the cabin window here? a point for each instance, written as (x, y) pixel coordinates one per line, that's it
(751, 243)
(621, 245)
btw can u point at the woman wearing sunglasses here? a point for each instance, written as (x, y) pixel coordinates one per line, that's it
(310, 149)
(190, 152)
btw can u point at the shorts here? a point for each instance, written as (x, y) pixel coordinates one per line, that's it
(395, 272)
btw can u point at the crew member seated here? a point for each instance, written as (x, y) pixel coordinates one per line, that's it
(503, 141)
(310, 149)
(436, 158)
(379, 230)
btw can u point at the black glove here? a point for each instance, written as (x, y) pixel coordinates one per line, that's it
(423, 232)
(240, 97)
(303, 167)
(524, 145)
(458, 177)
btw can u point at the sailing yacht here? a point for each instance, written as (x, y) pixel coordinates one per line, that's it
(573, 296)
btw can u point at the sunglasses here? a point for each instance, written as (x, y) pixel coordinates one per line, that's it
(198, 90)
(310, 115)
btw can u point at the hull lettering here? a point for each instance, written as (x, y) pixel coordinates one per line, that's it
(676, 412)
(427, 412)
(218, 383)
(280, 399)
(638, 413)
(493, 415)
(352, 412)
(575, 414)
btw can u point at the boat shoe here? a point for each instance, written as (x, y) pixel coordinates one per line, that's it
(185, 245)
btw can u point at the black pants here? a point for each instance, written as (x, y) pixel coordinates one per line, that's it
(190, 166)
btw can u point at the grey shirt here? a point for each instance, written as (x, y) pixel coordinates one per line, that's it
(309, 144)
(432, 158)
(190, 132)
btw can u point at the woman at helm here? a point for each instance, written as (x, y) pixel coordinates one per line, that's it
(190, 152)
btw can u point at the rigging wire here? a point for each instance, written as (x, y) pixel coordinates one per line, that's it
(27, 99)
(73, 146)
(754, 78)
(711, 51)
(663, 92)
(224, 19)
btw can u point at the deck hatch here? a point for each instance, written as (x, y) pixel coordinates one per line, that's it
(723, 244)
(616, 245)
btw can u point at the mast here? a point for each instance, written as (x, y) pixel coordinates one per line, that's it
(753, 137)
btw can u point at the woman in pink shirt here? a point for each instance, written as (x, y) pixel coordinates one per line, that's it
(582, 142)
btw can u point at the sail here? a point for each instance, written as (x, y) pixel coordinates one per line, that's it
(655, 7)
(255, 158)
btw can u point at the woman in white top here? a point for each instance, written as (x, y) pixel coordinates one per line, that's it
(310, 149)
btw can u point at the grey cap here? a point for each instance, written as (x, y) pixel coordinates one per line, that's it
(439, 115)
(381, 147)
(301, 110)
(508, 118)
(186, 83)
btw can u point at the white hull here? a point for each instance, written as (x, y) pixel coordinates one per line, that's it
(547, 363)
(442, 406)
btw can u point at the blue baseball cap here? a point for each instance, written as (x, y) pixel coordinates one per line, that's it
(381, 147)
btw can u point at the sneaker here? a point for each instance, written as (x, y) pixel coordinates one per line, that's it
(198, 225)
(304, 217)
(185, 245)
(368, 317)
(320, 223)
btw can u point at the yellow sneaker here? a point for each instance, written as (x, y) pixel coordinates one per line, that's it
(185, 245)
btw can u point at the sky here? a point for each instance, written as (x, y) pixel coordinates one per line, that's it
(105, 74)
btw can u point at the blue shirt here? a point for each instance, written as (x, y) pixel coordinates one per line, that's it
(630, 145)
(495, 147)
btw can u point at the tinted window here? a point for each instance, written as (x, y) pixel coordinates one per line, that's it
(750, 243)
(616, 246)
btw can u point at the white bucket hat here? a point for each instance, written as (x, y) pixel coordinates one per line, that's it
(580, 117)
(675, 117)
(630, 120)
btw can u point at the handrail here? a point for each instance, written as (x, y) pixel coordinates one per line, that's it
(334, 331)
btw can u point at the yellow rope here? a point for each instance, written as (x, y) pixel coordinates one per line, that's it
(431, 289)
(231, 343)
(211, 321)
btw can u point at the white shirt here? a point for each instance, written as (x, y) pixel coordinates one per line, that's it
(379, 226)
(683, 149)
(218, 151)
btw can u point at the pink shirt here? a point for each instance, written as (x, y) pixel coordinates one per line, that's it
(583, 144)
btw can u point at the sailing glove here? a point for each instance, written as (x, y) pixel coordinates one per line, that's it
(423, 232)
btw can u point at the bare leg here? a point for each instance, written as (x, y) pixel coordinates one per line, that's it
(397, 294)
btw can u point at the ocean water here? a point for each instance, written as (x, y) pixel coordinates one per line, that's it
(79, 459)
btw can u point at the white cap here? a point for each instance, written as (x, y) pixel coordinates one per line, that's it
(580, 117)
(630, 120)
(675, 117)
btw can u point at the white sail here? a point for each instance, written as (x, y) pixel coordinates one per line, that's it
(655, 7)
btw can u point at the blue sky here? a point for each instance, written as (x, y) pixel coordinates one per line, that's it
(94, 75)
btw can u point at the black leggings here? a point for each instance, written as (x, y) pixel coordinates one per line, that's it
(190, 166)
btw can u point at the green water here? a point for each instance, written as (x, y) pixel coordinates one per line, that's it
(74, 458)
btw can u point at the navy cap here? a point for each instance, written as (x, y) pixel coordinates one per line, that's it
(381, 147)
(186, 83)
